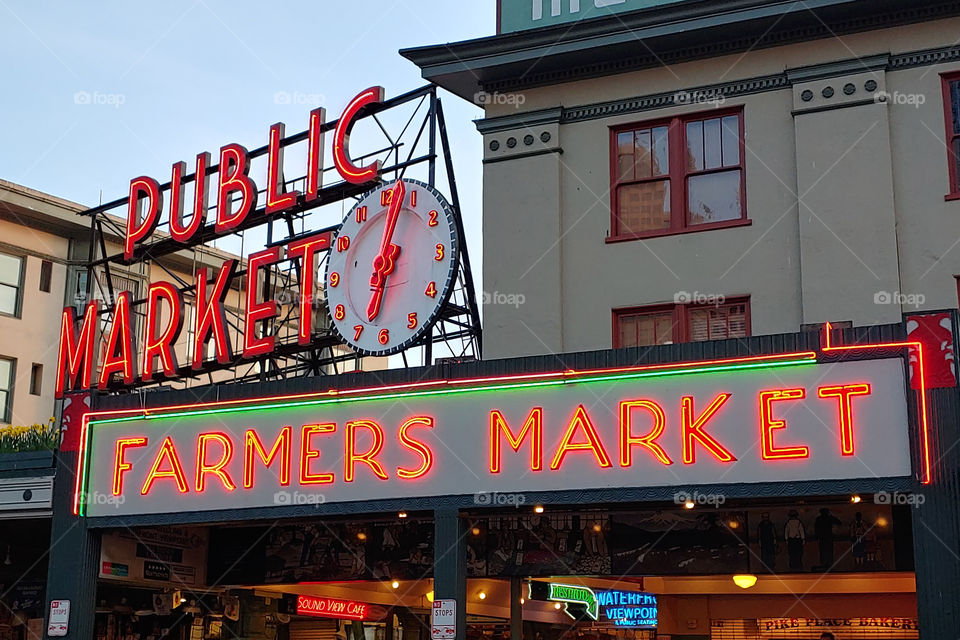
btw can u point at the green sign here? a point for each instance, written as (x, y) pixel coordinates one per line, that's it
(519, 15)
(575, 594)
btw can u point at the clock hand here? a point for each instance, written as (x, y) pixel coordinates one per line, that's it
(385, 261)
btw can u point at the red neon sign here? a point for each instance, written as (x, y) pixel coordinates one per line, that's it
(322, 607)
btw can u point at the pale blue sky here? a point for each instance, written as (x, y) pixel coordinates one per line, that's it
(176, 78)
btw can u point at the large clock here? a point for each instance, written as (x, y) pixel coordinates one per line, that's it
(391, 267)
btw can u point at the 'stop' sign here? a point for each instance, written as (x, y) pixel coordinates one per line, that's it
(757, 419)
(520, 15)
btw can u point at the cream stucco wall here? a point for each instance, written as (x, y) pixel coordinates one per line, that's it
(845, 197)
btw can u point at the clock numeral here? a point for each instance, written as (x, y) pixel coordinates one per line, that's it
(358, 329)
(384, 336)
(334, 279)
(411, 321)
(431, 290)
(413, 198)
(386, 197)
(439, 255)
(343, 243)
(433, 218)
(362, 214)
(339, 313)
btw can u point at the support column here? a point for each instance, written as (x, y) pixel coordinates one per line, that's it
(74, 555)
(450, 563)
(516, 609)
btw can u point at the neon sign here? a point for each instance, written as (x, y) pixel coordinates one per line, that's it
(659, 425)
(322, 607)
(80, 342)
(636, 609)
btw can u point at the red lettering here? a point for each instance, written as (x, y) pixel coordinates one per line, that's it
(418, 447)
(119, 356)
(844, 395)
(210, 317)
(341, 139)
(234, 165)
(77, 351)
(533, 426)
(648, 441)
(369, 457)
(277, 200)
(254, 345)
(143, 190)
(582, 421)
(161, 346)
(306, 249)
(693, 430)
(768, 425)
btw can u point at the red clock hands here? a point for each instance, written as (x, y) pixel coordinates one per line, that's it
(386, 260)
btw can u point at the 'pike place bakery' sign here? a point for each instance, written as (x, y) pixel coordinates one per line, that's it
(394, 262)
(771, 418)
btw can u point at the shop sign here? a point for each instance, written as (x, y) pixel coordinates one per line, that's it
(787, 627)
(443, 623)
(759, 419)
(636, 609)
(132, 357)
(322, 607)
(58, 620)
(520, 15)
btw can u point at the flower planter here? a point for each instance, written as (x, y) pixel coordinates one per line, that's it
(26, 460)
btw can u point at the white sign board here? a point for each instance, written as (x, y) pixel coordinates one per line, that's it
(59, 619)
(740, 424)
(443, 625)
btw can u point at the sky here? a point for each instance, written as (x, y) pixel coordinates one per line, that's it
(97, 93)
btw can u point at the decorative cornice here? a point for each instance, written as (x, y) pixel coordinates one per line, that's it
(864, 21)
(717, 93)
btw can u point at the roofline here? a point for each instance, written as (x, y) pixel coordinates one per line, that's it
(653, 37)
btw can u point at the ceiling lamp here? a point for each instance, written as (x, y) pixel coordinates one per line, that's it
(745, 581)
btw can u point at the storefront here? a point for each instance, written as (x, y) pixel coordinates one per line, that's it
(729, 496)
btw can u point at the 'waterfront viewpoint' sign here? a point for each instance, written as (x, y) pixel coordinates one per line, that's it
(520, 15)
(757, 419)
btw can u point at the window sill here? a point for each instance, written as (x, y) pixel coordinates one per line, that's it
(674, 232)
(951, 196)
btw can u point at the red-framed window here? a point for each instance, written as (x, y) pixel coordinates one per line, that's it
(670, 323)
(951, 109)
(677, 175)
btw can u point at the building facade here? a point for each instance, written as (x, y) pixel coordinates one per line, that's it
(725, 169)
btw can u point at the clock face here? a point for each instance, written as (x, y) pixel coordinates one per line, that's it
(391, 267)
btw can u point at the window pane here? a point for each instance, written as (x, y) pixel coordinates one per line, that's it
(737, 322)
(6, 367)
(715, 197)
(699, 325)
(711, 144)
(10, 270)
(644, 144)
(625, 155)
(955, 104)
(8, 299)
(695, 146)
(731, 141)
(661, 151)
(956, 159)
(644, 207)
(646, 330)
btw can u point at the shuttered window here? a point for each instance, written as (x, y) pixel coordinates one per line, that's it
(666, 324)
